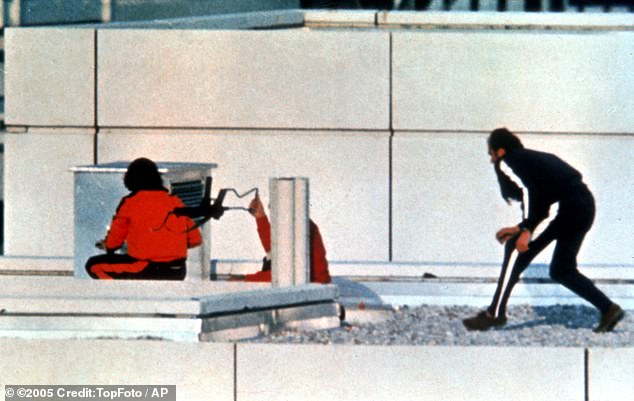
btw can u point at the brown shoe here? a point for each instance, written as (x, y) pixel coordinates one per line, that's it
(483, 321)
(609, 319)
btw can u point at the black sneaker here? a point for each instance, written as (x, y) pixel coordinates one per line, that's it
(483, 321)
(609, 319)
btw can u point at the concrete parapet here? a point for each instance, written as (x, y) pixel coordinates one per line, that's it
(226, 371)
(317, 372)
(322, 372)
(610, 373)
(200, 371)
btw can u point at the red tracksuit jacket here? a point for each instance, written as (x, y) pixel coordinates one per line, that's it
(139, 222)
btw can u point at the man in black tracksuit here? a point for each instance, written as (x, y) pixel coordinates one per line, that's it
(548, 180)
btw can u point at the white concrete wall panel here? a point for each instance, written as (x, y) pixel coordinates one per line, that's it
(447, 205)
(243, 79)
(317, 372)
(39, 190)
(610, 374)
(348, 174)
(49, 77)
(529, 80)
(200, 371)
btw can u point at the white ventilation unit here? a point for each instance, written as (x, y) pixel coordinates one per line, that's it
(98, 191)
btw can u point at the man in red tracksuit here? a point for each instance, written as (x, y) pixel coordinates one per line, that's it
(318, 264)
(157, 241)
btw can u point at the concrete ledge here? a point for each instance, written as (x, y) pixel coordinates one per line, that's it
(99, 327)
(505, 20)
(472, 294)
(335, 18)
(408, 271)
(70, 295)
(36, 265)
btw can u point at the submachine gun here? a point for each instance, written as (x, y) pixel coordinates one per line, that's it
(206, 209)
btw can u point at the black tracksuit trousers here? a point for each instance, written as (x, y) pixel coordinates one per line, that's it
(568, 228)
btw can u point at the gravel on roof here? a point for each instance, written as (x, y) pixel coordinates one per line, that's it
(547, 326)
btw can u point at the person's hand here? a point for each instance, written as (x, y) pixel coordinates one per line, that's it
(522, 241)
(506, 233)
(256, 208)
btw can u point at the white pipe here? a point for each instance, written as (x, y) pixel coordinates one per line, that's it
(282, 231)
(301, 232)
(290, 250)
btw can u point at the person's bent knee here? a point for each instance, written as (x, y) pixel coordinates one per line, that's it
(559, 274)
(88, 267)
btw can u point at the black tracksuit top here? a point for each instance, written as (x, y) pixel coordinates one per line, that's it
(547, 178)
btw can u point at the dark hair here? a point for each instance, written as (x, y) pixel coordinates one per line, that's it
(142, 174)
(508, 188)
(502, 138)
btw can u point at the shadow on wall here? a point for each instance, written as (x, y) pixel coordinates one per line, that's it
(351, 290)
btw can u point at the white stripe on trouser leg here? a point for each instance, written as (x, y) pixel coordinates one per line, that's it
(505, 283)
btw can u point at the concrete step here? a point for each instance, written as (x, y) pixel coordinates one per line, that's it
(66, 307)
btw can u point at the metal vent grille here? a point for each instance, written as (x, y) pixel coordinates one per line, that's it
(190, 192)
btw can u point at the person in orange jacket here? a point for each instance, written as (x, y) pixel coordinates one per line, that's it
(318, 263)
(157, 241)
